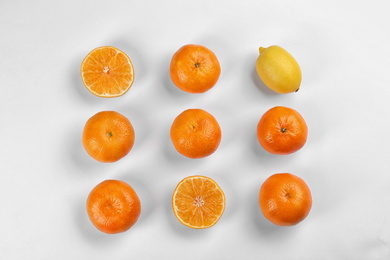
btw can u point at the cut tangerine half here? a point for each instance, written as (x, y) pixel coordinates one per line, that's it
(107, 72)
(198, 202)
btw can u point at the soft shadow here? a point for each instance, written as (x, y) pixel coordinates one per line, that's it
(264, 157)
(263, 225)
(171, 154)
(171, 89)
(219, 46)
(77, 154)
(139, 120)
(173, 157)
(89, 231)
(232, 203)
(260, 226)
(178, 228)
(257, 149)
(134, 52)
(261, 86)
(259, 152)
(77, 83)
(143, 192)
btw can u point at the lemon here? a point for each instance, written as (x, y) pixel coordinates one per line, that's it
(278, 70)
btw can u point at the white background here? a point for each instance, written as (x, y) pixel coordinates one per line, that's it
(46, 176)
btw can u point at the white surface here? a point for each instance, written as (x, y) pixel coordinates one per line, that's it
(343, 50)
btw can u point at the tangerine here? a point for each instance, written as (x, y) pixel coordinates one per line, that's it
(282, 130)
(107, 72)
(194, 68)
(195, 133)
(108, 136)
(285, 199)
(198, 202)
(113, 206)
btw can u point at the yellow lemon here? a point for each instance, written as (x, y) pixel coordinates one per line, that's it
(278, 70)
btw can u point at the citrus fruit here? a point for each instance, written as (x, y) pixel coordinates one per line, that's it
(108, 136)
(195, 133)
(278, 70)
(198, 202)
(113, 206)
(282, 130)
(107, 72)
(194, 68)
(285, 199)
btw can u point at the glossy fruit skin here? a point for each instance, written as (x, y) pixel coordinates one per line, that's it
(285, 199)
(194, 69)
(282, 130)
(198, 202)
(113, 206)
(278, 70)
(108, 136)
(195, 133)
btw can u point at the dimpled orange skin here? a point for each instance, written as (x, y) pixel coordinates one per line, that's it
(113, 206)
(108, 136)
(285, 199)
(282, 130)
(194, 69)
(195, 133)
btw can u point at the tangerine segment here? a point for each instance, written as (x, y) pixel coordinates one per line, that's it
(113, 206)
(198, 202)
(194, 68)
(107, 72)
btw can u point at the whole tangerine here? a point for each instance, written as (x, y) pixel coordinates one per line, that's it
(194, 68)
(285, 199)
(113, 206)
(282, 130)
(108, 136)
(195, 133)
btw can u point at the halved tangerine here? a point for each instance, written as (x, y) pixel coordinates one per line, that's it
(198, 202)
(107, 72)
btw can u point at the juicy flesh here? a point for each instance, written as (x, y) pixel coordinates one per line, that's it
(199, 203)
(107, 72)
